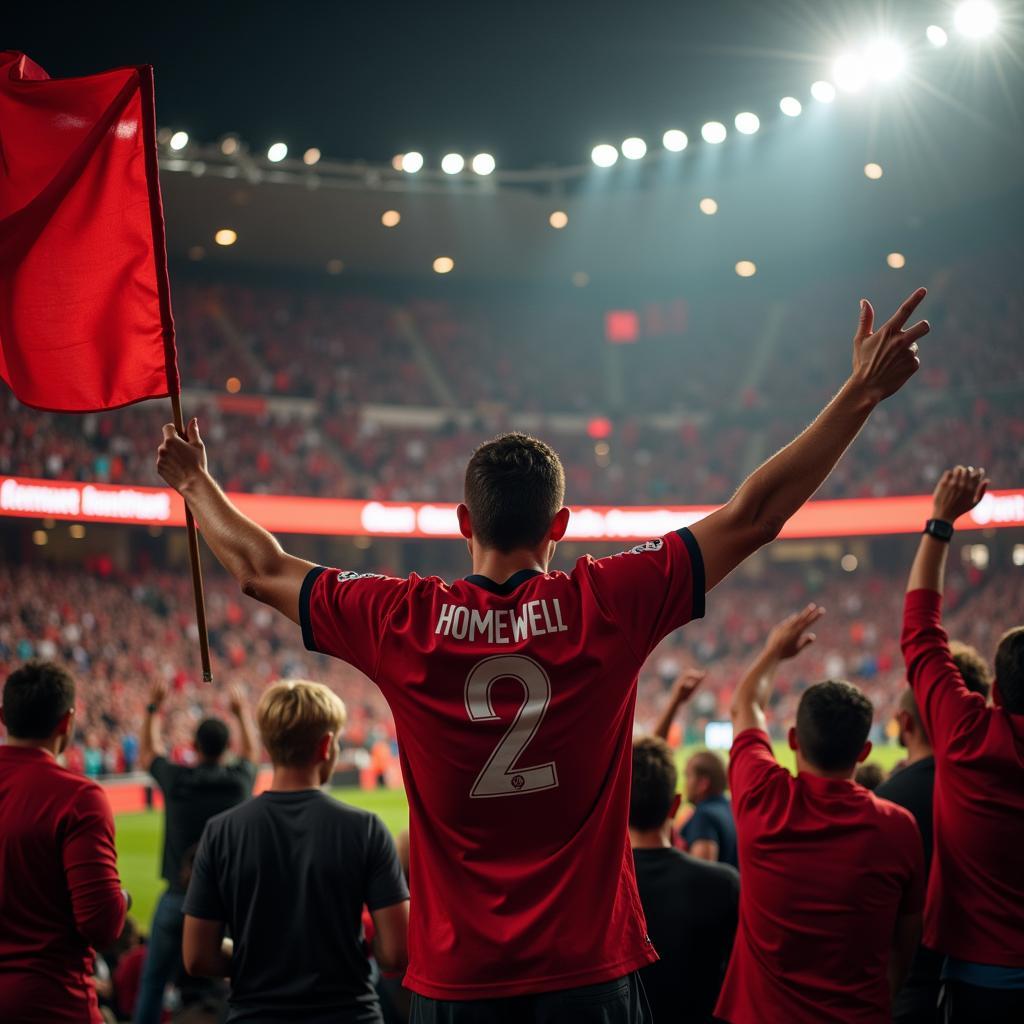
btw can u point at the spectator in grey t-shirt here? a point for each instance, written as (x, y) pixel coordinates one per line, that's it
(288, 874)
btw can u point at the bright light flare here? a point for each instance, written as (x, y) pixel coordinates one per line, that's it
(747, 123)
(558, 219)
(849, 72)
(452, 163)
(823, 92)
(674, 140)
(746, 268)
(604, 155)
(444, 265)
(713, 132)
(873, 171)
(483, 164)
(634, 148)
(885, 60)
(179, 140)
(708, 206)
(937, 36)
(412, 162)
(791, 106)
(975, 19)
(311, 156)
(896, 260)
(277, 152)
(391, 218)
(226, 236)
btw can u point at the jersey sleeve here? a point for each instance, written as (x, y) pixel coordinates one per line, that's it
(345, 614)
(652, 589)
(754, 774)
(947, 707)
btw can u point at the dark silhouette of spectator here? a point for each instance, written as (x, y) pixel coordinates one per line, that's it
(60, 895)
(192, 795)
(690, 906)
(869, 775)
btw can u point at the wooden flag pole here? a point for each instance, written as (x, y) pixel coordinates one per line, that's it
(193, 555)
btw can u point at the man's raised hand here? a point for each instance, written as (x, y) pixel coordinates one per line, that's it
(957, 492)
(886, 358)
(685, 685)
(181, 461)
(791, 635)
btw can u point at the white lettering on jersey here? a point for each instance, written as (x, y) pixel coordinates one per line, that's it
(535, 618)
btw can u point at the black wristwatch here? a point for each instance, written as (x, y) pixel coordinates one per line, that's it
(939, 529)
(152, 708)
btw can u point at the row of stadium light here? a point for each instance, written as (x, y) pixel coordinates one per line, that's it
(878, 62)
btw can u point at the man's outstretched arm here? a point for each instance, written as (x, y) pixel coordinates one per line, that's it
(252, 555)
(883, 361)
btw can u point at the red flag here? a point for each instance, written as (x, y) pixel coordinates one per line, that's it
(85, 312)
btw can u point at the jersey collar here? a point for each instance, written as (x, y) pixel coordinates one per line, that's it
(515, 580)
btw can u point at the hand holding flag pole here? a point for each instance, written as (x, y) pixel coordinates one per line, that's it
(85, 305)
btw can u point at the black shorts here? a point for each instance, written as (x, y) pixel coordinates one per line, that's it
(621, 1001)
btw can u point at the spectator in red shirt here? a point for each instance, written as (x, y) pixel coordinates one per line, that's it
(975, 908)
(60, 895)
(833, 877)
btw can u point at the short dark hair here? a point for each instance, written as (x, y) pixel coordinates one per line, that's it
(515, 485)
(709, 765)
(37, 695)
(212, 738)
(654, 783)
(869, 775)
(977, 676)
(1010, 670)
(833, 720)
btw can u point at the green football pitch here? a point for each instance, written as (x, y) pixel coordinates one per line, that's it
(139, 835)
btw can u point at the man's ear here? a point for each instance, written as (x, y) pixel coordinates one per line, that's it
(559, 525)
(673, 809)
(864, 751)
(3, 720)
(323, 747)
(465, 525)
(905, 720)
(64, 724)
(791, 738)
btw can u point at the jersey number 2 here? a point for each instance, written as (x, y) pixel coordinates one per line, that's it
(501, 776)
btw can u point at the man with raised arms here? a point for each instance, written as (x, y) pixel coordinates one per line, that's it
(516, 756)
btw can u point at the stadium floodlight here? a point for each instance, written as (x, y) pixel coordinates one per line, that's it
(225, 236)
(896, 260)
(412, 162)
(674, 140)
(452, 163)
(975, 19)
(604, 155)
(483, 164)
(849, 72)
(708, 206)
(791, 106)
(277, 152)
(444, 265)
(747, 123)
(746, 268)
(179, 140)
(823, 92)
(885, 60)
(311, 156)
(558, 219)
(634, 148)
(937, 36)
(230, 145)
(713, 132)
(873, 171)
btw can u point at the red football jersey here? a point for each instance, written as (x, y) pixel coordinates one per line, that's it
(827, 867)
(513, 705)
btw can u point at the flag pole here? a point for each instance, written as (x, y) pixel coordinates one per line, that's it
(193, 556)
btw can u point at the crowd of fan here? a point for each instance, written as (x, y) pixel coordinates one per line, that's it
(344, 352)
(122, 631)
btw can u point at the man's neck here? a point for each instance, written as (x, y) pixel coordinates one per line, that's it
(499, 566)
(649, 839)
(292, 778)
(50, 745)
(918, 752)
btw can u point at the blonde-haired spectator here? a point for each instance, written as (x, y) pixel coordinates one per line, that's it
(288, 874)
